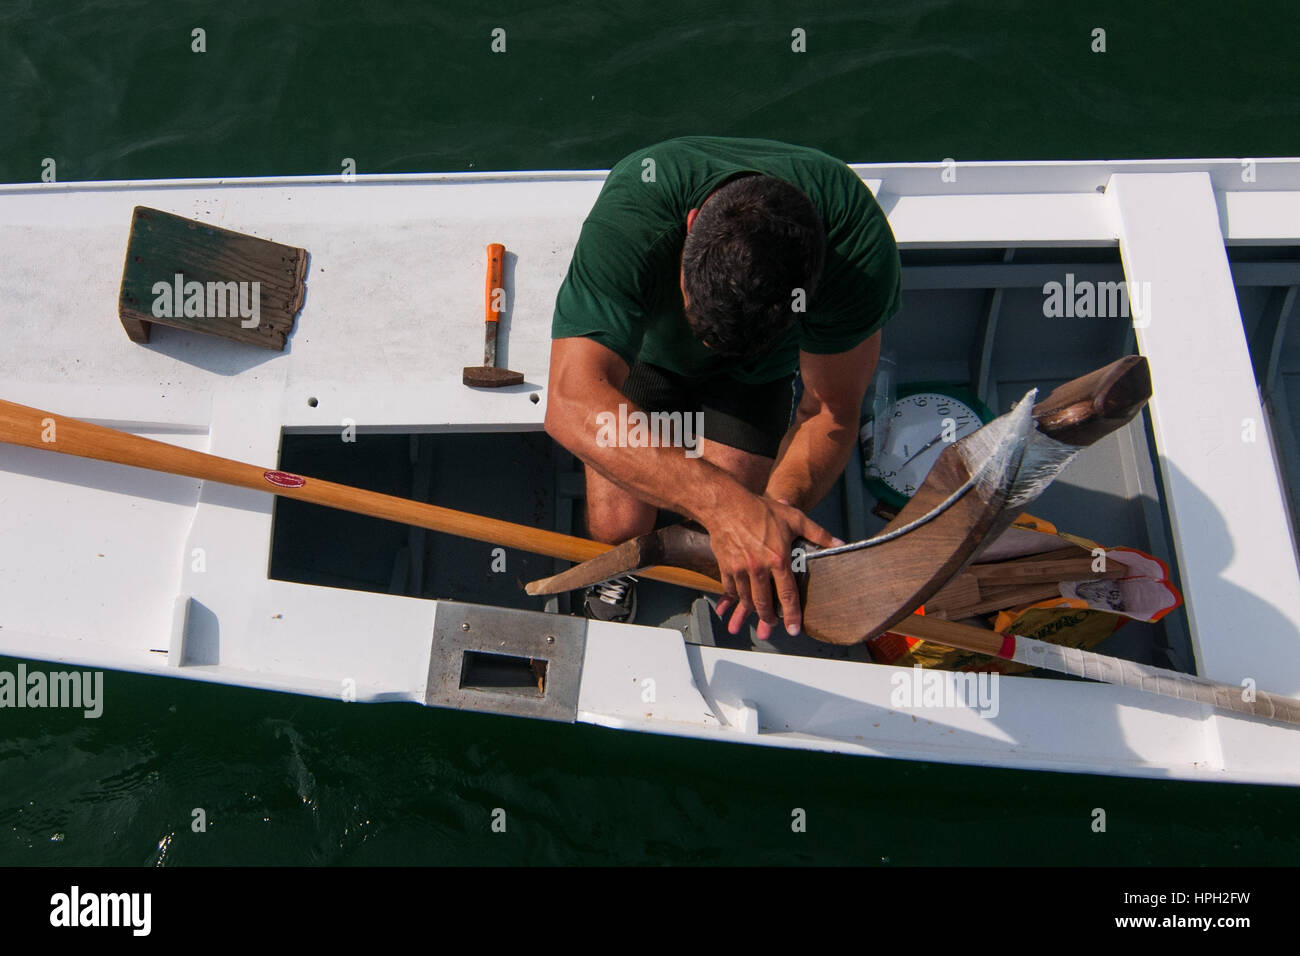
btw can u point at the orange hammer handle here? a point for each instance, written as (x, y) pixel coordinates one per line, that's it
(496, 256)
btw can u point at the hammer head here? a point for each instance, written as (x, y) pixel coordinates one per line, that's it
(490, 376)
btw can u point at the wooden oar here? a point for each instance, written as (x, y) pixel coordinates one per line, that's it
(1099, 667)
(20, 425)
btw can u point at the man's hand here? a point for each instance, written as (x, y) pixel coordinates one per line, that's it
(751, 537)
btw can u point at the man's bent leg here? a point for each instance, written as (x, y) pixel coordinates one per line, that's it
(613, 515)
(747, 468)
(743, 427)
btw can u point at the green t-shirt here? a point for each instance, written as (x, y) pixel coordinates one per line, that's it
(623, 287)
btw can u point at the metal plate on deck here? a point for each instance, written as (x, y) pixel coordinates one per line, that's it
(506, 661)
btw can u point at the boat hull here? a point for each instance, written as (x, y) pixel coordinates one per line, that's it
(116, 569)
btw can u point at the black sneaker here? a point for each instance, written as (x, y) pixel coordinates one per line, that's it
(612, 601)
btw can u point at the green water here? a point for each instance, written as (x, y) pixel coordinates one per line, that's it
(112, 90)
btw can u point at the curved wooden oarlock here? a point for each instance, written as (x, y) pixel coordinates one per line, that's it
(856, 594)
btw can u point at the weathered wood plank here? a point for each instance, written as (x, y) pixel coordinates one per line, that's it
(962, 591)
(1043, 572)
(190, 275)
(1001, 599)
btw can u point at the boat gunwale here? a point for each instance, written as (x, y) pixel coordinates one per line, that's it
(879, 170)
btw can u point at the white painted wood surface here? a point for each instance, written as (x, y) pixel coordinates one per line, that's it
(1230, 525)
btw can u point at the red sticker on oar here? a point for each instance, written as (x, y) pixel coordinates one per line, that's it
(284, 479)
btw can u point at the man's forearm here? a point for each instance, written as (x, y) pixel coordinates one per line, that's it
(661, 476)
(812, 457)
(817, 447)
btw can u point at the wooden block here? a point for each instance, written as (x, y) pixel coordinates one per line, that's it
(1073, 551)
(1009, 595)
(995, 586)
(1003, 599)
(226, 281)
(961, 591)
(1043, 572)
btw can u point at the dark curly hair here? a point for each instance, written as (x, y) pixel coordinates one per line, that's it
(753, 243)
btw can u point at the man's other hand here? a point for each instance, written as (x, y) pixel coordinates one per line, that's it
(751, 538)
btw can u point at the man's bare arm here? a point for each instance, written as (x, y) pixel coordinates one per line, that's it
(815, 450)
(586, 378)
(750, 534)
(817, 446)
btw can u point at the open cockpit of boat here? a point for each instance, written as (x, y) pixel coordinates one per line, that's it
(973, 318)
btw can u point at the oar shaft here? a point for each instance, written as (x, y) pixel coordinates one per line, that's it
(1155, 680)
(1100, 667)
(20, 425)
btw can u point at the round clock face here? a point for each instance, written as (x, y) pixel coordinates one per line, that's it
(917, 430)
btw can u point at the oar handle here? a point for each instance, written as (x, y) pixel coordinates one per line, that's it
(33, 428)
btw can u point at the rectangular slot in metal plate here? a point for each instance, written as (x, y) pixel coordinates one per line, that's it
(503, 673)
(506, 661)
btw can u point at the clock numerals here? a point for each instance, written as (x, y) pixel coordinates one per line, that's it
(923, 423)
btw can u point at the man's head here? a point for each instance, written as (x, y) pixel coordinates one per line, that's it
(751, 244)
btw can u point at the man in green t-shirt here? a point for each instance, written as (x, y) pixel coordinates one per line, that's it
(708, 272)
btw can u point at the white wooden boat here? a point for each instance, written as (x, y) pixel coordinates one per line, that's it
(103, 566)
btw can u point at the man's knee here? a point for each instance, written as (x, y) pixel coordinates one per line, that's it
(750, 470)
(613, 515)
(615, 527)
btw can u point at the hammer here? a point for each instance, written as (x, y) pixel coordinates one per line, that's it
(488, 375)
